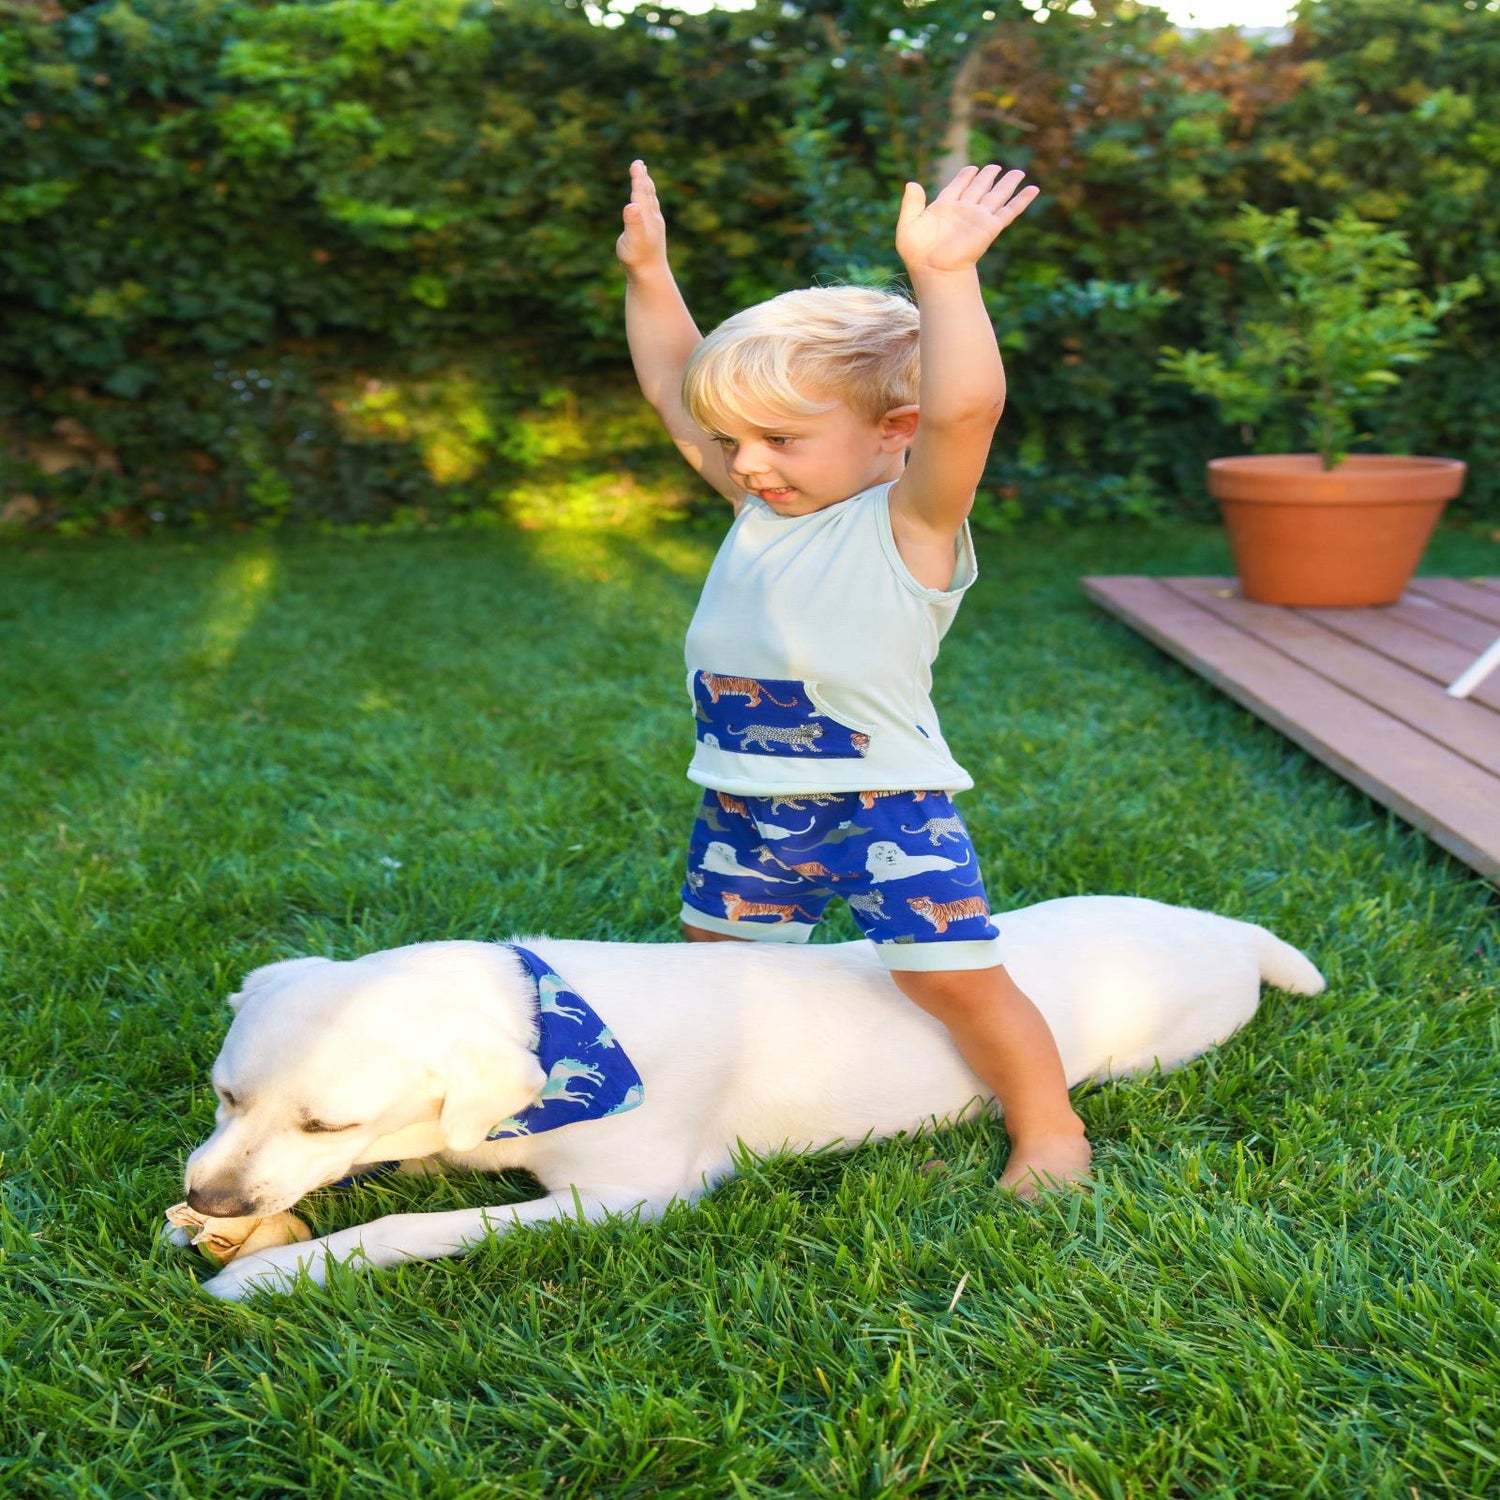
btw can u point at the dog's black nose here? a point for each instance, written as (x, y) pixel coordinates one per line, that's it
(218, 1205)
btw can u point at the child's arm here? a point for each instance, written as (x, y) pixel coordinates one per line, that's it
(661, 332)
(963, 380)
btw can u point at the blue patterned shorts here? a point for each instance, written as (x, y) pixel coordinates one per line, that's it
(766, 868)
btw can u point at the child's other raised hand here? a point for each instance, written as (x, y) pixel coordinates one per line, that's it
(960, 224)
(643, 243)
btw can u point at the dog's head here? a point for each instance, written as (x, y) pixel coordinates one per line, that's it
(324, 1061)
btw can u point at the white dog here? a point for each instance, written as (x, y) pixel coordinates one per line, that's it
(425, 1051)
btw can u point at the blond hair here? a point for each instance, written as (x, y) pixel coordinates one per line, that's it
(843, 343)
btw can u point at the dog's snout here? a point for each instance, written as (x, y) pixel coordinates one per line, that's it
(218, 1204)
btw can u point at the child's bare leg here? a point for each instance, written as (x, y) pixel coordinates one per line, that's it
(1006, 1041)
(703, 935)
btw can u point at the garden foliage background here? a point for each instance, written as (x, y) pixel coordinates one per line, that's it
(351, 261)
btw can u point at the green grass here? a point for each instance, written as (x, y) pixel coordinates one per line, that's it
(215, 755)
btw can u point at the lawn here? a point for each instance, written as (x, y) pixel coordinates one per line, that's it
(219, 754)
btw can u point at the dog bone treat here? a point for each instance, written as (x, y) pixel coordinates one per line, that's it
(221, 1240)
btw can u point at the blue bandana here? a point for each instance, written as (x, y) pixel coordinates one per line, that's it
(588, 1073)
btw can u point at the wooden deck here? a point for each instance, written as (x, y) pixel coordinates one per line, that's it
(1360, 689)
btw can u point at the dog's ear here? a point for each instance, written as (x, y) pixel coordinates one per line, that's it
(483, 1083)
(257, 979)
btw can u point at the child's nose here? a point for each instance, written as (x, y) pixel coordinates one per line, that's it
(750, 458)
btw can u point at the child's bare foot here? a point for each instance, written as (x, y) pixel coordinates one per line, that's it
(1046, 1163)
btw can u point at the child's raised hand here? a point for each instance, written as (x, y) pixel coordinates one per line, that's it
(960, 224)
(643, 242)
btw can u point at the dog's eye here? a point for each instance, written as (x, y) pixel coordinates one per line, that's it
(226, 1098)
(319, 1127)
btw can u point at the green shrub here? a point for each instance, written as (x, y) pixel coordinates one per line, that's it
(424, 192)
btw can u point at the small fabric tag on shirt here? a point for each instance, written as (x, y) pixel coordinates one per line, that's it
(589, 1075)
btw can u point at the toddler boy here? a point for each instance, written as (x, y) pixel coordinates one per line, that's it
(810, 655)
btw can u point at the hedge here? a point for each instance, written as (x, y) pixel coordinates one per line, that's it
(350, 261)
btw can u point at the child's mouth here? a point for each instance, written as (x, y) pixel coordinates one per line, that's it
(785, 494)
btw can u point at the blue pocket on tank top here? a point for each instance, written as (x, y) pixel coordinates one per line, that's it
(770, 716)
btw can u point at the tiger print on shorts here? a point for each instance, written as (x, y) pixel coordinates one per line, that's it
(737, 909)
(812, 870)
(867, 799)
(943, 913)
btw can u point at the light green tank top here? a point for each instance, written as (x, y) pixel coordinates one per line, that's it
(810, 656)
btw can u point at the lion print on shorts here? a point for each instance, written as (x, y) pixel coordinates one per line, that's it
(943, 913)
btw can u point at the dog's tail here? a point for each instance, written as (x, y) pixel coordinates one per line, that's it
(1284, 966)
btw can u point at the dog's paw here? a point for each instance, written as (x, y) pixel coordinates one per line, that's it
(265, 1271)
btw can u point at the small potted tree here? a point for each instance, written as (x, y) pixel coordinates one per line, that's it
(1337, 321)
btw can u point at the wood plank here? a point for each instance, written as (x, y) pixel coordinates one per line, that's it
(1447, 624)
(1382, 631)
(1471, 729)
(1446, 796)
(1463, 594)
(1391, 632)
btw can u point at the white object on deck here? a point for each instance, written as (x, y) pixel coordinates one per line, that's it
(1476, 672)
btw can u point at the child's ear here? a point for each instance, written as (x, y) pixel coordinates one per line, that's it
(899, 426)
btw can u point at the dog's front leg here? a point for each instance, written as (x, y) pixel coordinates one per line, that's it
(402, 1237)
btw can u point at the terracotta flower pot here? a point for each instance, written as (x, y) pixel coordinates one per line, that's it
(1333, 538)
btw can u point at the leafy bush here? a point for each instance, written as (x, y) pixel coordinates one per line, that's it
(423, 193)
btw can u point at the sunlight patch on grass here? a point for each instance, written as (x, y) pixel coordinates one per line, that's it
(238, 596)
